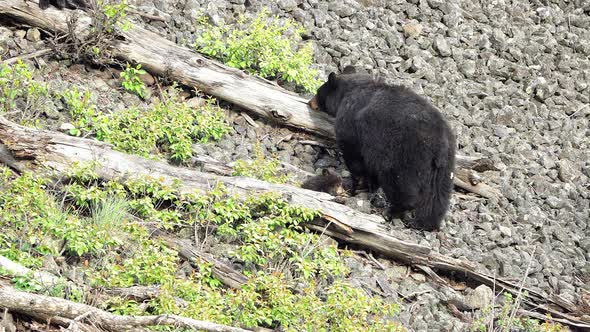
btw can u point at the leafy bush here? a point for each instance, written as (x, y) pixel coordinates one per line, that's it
(170, 125)
(83, 111)
(21, 96)
(113, 15)
(262, 46)
(131, 81)
(261, 167)
(35, 225)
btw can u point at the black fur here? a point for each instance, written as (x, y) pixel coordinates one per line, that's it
(61, 4)
(394, 139)
(329, 182)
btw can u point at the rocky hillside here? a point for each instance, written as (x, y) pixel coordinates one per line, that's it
(513, 79)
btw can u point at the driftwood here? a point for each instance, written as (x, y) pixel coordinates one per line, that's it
(163, 57)
(58, 152)
(28, 303)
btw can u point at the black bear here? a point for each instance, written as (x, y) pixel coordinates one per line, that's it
(61, 4)
(329, 182)
(394, 139)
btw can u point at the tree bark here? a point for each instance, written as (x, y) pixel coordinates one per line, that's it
(27, 303)
(58, 152)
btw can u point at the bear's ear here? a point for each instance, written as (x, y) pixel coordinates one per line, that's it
(349, 70)
(333, 80)
(325, 172)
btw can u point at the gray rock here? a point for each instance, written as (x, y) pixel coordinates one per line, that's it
(20, 34)
(412, 29)
(478, 298)
(567, 171)
(33, 35)
(341, 9)
(50, 110)
(441, 46)
(287, 5)
(555, 202)
(66, 126)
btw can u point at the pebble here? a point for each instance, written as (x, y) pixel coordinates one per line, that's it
(412, 29)
(33, 35)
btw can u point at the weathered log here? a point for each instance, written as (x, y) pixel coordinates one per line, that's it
(163, 57)
(27, 303)
(58, 151)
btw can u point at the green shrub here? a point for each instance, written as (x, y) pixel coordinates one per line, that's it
(262, 167)
(83, 111)
(169, 126)
(21, 96)
(35, 225)
(113, 15)
(131, 81)
(263, 46)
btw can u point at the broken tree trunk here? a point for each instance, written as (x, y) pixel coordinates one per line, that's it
(163, 57)
(58, 152)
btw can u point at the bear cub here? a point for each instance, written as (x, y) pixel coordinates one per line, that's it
(392, 138)
(329, 182)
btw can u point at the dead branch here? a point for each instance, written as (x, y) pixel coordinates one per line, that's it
(35, 54)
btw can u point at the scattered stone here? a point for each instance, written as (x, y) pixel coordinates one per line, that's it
(505, 231)
(20, 34)
(287, 5)
(7, 323)
(478, 298)
(341, 9)
(412, 30)
(441, 46)
(66, 127)
(567, 171)
(33, 35)
(147, 79)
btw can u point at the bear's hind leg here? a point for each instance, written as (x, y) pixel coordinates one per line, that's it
(355, 164)
(401, 194)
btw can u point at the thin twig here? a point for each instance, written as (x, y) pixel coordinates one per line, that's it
(27, 56)
(516, 303)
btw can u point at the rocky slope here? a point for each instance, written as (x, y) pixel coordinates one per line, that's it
(512, 77)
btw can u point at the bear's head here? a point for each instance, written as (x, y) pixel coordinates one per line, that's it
(329, 91)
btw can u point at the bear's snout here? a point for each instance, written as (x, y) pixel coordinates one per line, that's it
(313, 103)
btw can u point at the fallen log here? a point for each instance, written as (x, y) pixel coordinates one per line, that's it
(58, 152)
(165, 58)
(41, 305)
